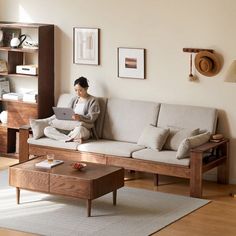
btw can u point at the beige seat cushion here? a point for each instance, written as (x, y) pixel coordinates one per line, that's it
(44, 141)
(162, 156)
(110, 147)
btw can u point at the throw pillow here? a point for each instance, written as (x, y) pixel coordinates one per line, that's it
(153, 137)
(37, 126)
(64, 124)
(191, 142)
(176, 136)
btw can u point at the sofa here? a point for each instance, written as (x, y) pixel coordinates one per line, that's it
(138, 135)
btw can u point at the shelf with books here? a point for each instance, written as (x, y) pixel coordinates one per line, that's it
(39, 51)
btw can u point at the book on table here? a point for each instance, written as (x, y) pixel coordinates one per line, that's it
(48, 165)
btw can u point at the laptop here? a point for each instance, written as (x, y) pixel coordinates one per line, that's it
(63, 113)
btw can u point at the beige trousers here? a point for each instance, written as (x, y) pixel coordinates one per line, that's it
(76, 134)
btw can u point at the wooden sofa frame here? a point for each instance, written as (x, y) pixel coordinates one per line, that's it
(202, 159)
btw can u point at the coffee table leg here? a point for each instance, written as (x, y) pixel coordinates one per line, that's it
(114, 197)
(89, 204)
(17, 195)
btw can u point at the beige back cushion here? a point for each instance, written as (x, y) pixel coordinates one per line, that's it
(126, 119)
(191, 117)
(100, 121)
(66, 100)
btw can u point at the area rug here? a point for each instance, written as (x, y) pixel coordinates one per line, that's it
(138, 212)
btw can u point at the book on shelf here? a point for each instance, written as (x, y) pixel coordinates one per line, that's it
(13, 96)
(4, 87)
(30, 97)
(48, 165)
(216, 140)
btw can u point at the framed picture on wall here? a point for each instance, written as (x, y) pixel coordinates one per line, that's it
(86, 46)
(131, 63)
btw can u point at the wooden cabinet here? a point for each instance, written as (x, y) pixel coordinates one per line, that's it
(19, 112)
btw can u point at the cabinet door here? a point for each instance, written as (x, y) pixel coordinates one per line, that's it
(3, 139)
(20, 113)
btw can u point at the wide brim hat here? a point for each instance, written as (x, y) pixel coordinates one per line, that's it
(207, 63)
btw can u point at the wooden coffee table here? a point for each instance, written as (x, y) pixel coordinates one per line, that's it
(94, 181)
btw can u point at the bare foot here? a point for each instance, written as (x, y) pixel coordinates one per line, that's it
(78, 140)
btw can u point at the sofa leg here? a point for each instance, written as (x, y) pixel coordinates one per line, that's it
(156, 179)
(196, 175)
(223, 170)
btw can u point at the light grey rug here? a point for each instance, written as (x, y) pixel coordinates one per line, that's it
(138, 212)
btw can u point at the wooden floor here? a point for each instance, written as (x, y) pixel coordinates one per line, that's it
(215, 219)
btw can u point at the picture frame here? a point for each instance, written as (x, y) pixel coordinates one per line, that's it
(131, 62)
(86, 46)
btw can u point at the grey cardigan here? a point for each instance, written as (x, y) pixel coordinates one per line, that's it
(91, 113)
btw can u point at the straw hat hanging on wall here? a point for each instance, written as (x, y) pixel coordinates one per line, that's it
(207, 63)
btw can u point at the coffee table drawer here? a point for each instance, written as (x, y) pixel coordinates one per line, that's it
(28, 179)
(70, 186)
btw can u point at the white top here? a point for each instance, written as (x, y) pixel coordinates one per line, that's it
(79, 108)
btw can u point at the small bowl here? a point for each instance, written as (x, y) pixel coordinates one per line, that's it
(79, 165)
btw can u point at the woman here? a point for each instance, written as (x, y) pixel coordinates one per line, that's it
(86, 110)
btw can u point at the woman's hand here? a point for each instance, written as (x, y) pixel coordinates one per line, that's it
(76, 117)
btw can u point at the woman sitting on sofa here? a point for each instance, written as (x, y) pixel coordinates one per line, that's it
(86, 110)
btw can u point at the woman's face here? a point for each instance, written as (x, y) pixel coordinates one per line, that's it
(80, 91)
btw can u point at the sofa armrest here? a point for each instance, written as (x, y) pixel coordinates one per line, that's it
(217, 156)
(208, 146)
(24, 132)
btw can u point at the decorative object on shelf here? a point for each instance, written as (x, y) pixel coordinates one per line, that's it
(216, 138)
(207, 63)
(86, 46)
(191, 77)
(27, 69)
(16, 42)
(131, 63)
(29, 43)
(231, 73)
(1, 37)
(8, 34)
(13, 96)
(30, 96)
(3, 117)
(3, 66)
(4, 86)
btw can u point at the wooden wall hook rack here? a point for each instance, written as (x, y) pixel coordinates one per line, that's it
(196, 50)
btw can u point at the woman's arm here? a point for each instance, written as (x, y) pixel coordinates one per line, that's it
(92, 112)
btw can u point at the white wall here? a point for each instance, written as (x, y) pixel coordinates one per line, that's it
(163, 27)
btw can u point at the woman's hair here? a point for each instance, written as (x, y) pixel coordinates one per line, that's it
(82, 81)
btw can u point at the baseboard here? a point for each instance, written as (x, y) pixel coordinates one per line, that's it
(213, 177)
(210, 177)
(232, 181)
